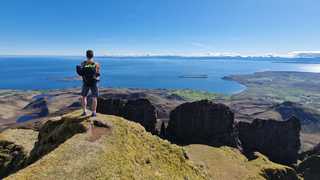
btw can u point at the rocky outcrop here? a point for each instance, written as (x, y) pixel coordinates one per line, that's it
(15, 147)
(71, 147)
(304, 114)
(12, 158)
(163, 131)
(142, 112)
(52, 134)
(111, 106)
(202, 122)
(310, 168)
(315, 151)
(139, 110)
(127, 152)
(280, 141)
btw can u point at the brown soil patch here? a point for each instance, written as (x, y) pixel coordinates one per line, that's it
(98, 129)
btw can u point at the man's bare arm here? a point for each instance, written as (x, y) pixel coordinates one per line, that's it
(98, 68)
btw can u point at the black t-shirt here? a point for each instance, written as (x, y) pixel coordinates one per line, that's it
(89, 72)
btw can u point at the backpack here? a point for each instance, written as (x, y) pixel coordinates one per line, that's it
(79, 70)
(88, 73)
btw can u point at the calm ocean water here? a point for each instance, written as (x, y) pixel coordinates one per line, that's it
(55, 72)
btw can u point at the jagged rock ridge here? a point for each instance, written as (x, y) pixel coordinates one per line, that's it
(129, 152)
(280, 141)
(140, 110)
(202, 122)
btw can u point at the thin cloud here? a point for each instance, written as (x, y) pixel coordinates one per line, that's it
(199, 44)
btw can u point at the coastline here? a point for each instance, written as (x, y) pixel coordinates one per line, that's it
(263, 93)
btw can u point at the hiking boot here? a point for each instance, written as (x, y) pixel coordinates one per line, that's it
(94, 114)
(84, 114)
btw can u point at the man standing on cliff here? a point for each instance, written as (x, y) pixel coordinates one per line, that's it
(90, 72)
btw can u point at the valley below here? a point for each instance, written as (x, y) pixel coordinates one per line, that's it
(270, 128)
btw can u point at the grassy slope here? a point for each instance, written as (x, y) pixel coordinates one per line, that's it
(228, 163)
(128, 152)
(299, 87)
(281, 86)
(193, 95)
(23, 137)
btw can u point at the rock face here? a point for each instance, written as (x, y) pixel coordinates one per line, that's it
(305, 115)
(139, 110)
(314, 151)
(310, 162)
(15, 147)
(52, 134)
(12, 158)
(71, 147)
(310, 168)
(280, 141)
(110, 106)
(142, 112)
(202, 122)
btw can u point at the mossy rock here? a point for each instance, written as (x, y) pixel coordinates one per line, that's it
(124, 151)
(15, 147)
(53, 133)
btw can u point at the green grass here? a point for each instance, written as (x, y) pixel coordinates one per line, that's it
(127, 152)
(193, 95)
(229, 163)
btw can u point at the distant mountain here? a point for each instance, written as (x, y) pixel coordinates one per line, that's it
(308, 55)
(198, 57)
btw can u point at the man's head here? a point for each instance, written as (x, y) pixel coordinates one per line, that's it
(90, 54)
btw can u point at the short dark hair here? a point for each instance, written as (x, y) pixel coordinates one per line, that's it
(90, 54)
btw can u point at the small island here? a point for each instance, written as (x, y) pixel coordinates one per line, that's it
(201, 76)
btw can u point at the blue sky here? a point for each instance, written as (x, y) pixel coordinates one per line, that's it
(184, 27)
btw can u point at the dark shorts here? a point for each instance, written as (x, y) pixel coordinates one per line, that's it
(93, 88)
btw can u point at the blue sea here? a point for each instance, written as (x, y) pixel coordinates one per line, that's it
(42, 73)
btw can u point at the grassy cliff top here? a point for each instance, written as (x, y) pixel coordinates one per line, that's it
(125, 151)
(229, 163)
(23, 137)
(119, 149)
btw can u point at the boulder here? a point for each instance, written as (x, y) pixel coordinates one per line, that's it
(137, 110)
(280, 141)
(202, 122)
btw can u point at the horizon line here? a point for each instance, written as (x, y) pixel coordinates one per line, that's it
(293, 54)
